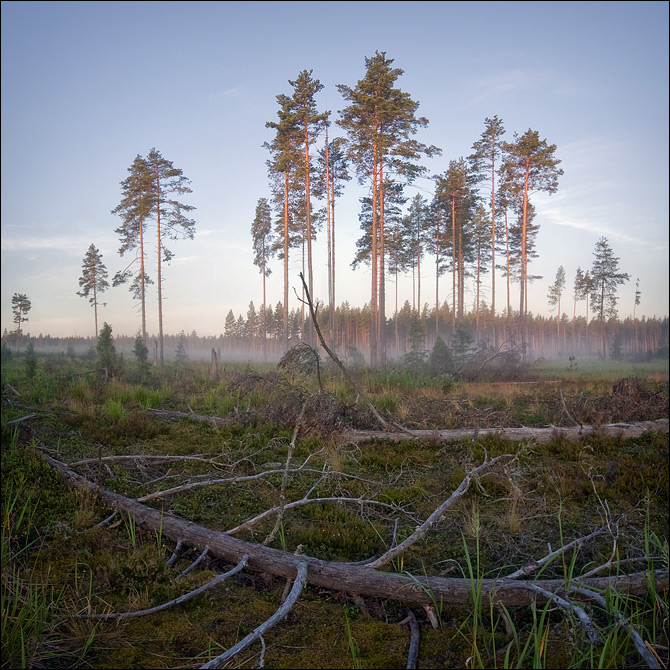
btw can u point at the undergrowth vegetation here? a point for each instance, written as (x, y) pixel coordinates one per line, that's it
(59, 563)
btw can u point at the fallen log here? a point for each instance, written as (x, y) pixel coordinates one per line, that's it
(347, 577)
(539, 435)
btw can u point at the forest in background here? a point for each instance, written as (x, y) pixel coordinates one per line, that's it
(479, 222)
(408, 337)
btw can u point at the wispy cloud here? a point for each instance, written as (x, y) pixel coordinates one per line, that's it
(517, 81)
(508, 81)
(232, 92)
(28, 243)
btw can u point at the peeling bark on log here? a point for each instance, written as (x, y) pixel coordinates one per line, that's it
(540, 435)
(347, 577)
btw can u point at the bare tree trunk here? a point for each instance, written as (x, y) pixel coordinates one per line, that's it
(331, 300)
(437, 275)
(381, 326)
(373, 259)
(214, 368)
(453, 262)
(308, 216)
(286, 231)
(144, 311)
(161, 360)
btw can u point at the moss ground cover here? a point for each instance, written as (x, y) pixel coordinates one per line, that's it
(56, 563)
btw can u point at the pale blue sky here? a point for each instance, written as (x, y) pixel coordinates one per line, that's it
(86, 86)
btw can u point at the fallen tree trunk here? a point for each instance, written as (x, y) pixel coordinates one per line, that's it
(351, 578)
(540, 435)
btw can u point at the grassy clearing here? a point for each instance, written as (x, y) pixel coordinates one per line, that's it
(55, 563)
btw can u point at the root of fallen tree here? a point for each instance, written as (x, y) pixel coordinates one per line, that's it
(357, 579)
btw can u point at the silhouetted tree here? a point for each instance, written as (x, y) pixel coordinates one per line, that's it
(93, 280)
(529, 165)
(20, 307)
(135, 207)
(605, 277)
(167, 183)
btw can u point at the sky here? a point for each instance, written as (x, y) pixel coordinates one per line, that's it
(87, 86)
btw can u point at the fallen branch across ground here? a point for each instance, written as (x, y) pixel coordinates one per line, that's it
(177, 601)
(340, 576)
(298, 586)
(539, 435)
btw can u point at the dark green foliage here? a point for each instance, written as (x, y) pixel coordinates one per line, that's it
(415, 358)
(441, 360)
(180, 354)
(617, 348)
(300, 360)
(141, 352)
(93, 280)
(605, 277)
(107, 357)
(354, 357)
(461, 346)
(20, 307)
(30, 361)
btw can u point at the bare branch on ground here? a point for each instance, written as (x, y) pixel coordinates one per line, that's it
(285, 608)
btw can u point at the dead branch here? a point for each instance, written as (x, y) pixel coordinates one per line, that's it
(307, 501)
(261, 659)
(210, 482)
(344, 577)
(298, 586)
(538, 435)
(337, 361)
(565, 409)
(582, 616)
(177, 601)
(104, 522)
(146, 457)
(23, 418)
(168, 414)
(175, 553)
(639, 643)
(282, 492)
(195, 563)
(437, 514)
(536, 565)
(413, 653)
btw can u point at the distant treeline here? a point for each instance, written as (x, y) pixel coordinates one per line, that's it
(349, 334)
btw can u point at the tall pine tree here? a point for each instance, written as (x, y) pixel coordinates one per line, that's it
(530, 165)
(605, 278)
(380, 121)
(281, 166)
(484, 161)
(310, 122)
(168, 183)
(262, 236)
(135, 208)
(93, 280)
